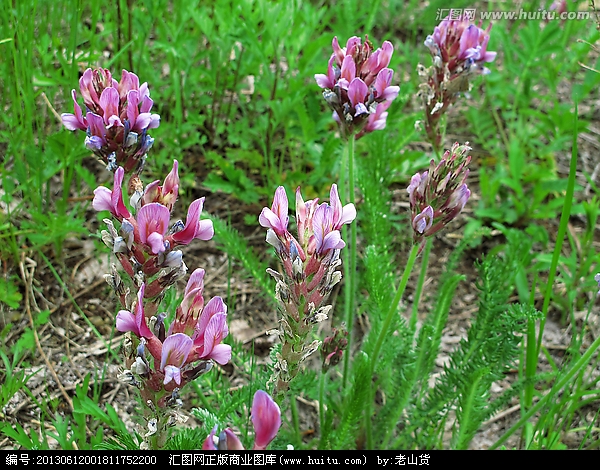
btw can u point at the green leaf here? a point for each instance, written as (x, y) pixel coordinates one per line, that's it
(9, 292)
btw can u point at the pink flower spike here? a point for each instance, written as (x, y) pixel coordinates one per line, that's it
(194, 227)
(277, 217)
(266, 419)
(152, 219)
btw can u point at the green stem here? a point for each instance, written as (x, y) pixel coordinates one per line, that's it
(387, 322)
(350, 261)
(394, 305)
(417, 297)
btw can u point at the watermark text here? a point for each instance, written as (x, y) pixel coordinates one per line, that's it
(540, 15)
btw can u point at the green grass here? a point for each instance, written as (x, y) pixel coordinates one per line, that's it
(234, 84)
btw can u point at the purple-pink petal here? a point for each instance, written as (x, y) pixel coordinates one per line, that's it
(146, 103)
(332, 241)
(341, 215)
(352, 44)
(74, 121)
(194, 287)
(109, 102)
(193, 227)
(338, 53)
(151, 218)
(102, 199)
(277, 217)
(171, 183)
(213, 307)
(221, 354)
(377, 120)
(156, 242)
(96, 124)
(176, 349)
(133, 109)
(266, 419)
(129, 81)
(151, 192)
(357, 92)
(71, 122)
(423, 221)
(348, 70)
(215, 331)
(172, 373)
(327, 81)
(135, 322)
(87, 89)
(126, 321)
(117, 195)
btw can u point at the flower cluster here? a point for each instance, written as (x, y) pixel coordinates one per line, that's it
(358, 85)
(117, 118)
(459, 51)
(159, 358)
(438, 195)
(310, 264)
(181, 353)
(266, 420)
(144, 243)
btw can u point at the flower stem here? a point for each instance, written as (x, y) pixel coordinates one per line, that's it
(350, 263)
(394, 305)
(383, 334)
(417, 297)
